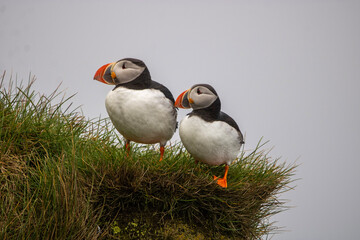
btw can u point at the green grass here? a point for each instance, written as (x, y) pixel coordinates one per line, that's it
(65, 177)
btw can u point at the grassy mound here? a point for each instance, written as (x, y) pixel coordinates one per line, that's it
(65, 177)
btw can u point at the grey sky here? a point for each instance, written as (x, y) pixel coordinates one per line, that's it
(285, 70)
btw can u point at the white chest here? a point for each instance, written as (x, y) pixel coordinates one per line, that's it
(214, 143)
(144, 116)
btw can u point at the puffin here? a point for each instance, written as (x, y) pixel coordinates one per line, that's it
(141, 109)
(208, 134)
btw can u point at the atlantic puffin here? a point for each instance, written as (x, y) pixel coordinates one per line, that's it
(141, 109)
(208, 134)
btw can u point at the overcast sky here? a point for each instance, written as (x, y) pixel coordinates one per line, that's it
(288, 71)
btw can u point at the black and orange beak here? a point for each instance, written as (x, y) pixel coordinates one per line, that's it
(183, 100)
(103, 74)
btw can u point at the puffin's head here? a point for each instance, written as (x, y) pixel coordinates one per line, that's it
(120, 72)
(197, 97)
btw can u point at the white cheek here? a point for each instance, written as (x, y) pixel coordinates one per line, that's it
(127, 75)
(202, 101)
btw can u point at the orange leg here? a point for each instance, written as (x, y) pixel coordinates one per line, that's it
(162, 150)
(222, 181)
(127, 147)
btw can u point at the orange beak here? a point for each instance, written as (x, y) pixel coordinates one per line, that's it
(100, 74)
(183, 100)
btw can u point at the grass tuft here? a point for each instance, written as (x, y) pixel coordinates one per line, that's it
(65, 177)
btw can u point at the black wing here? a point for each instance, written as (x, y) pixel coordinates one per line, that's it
(226, 118)
(168, 95)
(163, 89)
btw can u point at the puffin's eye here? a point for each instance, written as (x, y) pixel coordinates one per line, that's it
(198, 91)
(123, 66)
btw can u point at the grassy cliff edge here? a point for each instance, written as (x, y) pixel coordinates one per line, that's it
(65, 177)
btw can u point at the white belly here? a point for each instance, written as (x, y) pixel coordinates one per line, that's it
(143, 116)
(214, 143)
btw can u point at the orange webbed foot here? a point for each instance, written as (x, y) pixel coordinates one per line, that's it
(221, 181)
